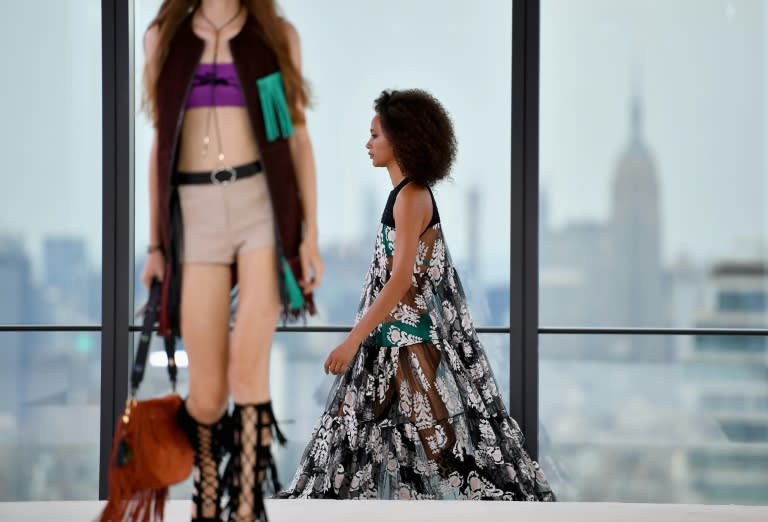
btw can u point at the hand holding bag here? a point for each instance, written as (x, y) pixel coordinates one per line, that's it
(149, 451)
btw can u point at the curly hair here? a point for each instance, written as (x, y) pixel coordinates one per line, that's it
(421, 134)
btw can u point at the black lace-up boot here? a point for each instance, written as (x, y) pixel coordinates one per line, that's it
(252, 428)
(208, 440)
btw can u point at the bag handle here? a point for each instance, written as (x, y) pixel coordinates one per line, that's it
(151, 311)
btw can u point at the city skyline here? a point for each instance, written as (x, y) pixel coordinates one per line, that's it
(632, 206)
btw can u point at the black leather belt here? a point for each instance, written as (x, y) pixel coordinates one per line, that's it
(222, 176)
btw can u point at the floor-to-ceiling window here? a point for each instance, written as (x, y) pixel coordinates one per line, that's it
(50, 250)
(652, 277)
(653, 235)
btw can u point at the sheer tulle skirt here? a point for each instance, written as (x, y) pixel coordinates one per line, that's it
(418, 414)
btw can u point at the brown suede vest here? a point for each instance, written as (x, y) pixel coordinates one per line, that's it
(253, 59)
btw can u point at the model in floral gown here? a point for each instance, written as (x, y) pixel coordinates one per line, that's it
(415, 412)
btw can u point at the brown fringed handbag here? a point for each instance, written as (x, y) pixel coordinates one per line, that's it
(150, 451)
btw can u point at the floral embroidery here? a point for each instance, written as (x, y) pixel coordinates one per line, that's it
(419, 414)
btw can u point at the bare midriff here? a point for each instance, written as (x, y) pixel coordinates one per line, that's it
(239, 145)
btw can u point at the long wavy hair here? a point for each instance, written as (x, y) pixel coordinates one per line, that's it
(173, 12)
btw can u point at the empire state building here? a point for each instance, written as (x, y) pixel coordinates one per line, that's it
(635, 234)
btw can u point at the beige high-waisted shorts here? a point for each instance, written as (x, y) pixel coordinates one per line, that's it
(224, 221)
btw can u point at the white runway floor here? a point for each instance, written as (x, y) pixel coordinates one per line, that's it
(423, 511)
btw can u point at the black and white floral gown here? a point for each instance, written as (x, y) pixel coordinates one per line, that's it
(418, 414)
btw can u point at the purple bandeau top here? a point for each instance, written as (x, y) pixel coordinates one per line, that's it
(226, 93)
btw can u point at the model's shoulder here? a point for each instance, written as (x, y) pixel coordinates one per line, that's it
(413, 200)
(151, 39)
(414, 192)
(291, 36)
(288, 29)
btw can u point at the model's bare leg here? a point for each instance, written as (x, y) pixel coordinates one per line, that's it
(257, 314)
(258, 310)
(205, 330)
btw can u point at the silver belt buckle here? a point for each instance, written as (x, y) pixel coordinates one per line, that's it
(232, 176)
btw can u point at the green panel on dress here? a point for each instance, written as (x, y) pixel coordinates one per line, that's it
(393, 334)
(389, 247)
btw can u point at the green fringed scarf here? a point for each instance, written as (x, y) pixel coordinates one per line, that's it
(274, 107)
(295, 295)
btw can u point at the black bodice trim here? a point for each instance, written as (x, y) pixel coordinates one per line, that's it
(388, 217)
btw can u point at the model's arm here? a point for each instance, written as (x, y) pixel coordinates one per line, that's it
(155, 264)
(304, 164)
(413, 210)
(155, 236)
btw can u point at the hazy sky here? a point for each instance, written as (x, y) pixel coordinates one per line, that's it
(702, 74)
(700, 67)
(50, 139)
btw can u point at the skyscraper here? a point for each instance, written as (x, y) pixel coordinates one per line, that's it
(67, 279)
(15, 305)
(635, 231)
(726, 383)
(635, 240)
(15, 282)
